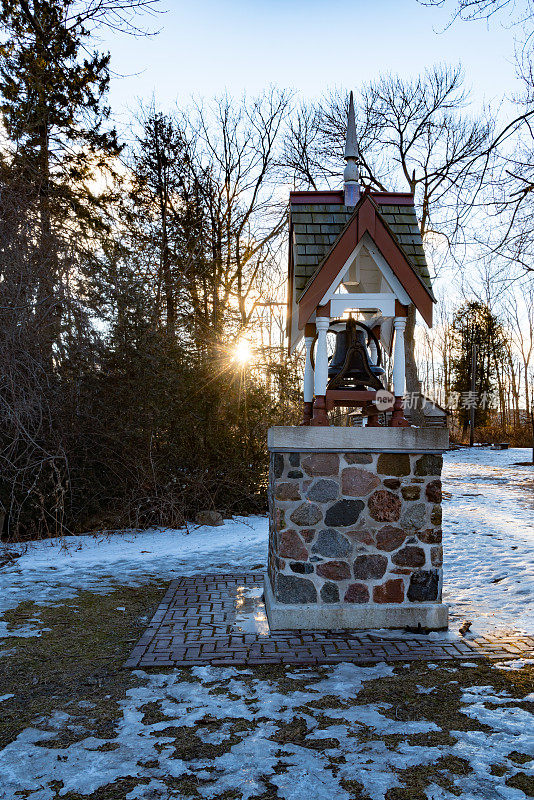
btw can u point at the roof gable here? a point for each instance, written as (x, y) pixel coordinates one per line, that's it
(366, 218)
(318, 218)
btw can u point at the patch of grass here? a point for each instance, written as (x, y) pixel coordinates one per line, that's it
(324, 702)
(78, 659)
(522, 781)
(111, 791)
(354, 788)
(428, 739)
(293, 732)
(417, 778)
(152, 713)
(519, 758)
(188, 746)
(324, 721)
(296, 732)
(443, 705)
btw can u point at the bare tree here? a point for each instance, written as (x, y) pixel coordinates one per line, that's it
(234, 159)
(518, 12)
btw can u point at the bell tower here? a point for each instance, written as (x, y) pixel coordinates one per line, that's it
(355, 509)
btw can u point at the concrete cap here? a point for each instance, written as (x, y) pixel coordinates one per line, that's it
(370, 440)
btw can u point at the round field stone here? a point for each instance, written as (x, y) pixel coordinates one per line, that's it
(357, 593)
(321, 464)
(334, 570)
(308, 534)
(287, 491)
(295, 473)
(344, 513)
(331, 544)
(358, 458)
(433, 491)
(428, 465)
(436, 515)
(278, 465)
(414, 517)
(370, 567)
(409, 557)
(391, 483)
(391, 591)
(389, 538)
(301, 569)
(329, 593)
(291, 546)
(397, 464)
(358, 482)
(430, 536)
(362, 536)
(306, 514)
(323, 491)
(295, 590)
(411, 492)
(436, 556)
(424, 586)
(294, 459)
(384, 506)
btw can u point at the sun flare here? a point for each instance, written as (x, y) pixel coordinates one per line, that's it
(243, 352)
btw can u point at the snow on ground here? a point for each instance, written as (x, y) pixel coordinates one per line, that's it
(488, 526)
(488, 514)
(249, 731)
(55, 569)
(435, 731)
(229, 734)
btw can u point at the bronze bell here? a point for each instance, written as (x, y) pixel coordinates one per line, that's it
(350, 366)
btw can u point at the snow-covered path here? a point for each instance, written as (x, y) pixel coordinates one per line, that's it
(488, 526)
(488, 543)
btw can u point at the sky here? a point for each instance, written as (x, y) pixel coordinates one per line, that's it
(207, 47)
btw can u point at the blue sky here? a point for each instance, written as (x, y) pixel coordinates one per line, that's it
(208, 46)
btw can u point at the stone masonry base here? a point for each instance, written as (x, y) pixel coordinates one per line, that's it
(355, 528)
(341, 616)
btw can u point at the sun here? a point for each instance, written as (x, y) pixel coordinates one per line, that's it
(243, 352)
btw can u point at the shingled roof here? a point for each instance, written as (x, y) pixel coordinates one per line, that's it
(318, 218)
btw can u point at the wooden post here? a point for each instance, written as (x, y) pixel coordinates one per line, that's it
(373, 351)
(308, 382)
(321, 373)
(399, 375)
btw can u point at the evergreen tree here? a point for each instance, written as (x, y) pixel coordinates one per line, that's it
(52, 104)
(475, 324)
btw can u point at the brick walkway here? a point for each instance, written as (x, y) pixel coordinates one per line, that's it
(220, 619)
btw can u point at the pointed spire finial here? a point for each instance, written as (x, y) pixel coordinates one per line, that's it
(351, 174)
(351, 146)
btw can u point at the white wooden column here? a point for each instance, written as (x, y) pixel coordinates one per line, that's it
(308, 371)
(399, 365)
(373, 351)
(321, 356)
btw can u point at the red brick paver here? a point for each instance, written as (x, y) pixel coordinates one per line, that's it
(220, 619)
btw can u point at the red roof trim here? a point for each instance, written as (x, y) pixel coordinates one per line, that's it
(366, 218)
(323, 198)
(393, 198)
(338, 198)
